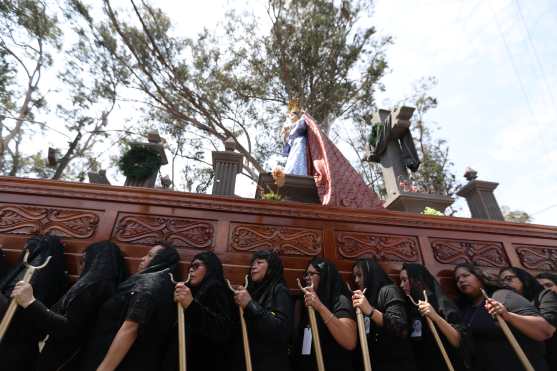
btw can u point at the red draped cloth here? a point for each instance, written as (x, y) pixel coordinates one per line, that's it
(338, 183)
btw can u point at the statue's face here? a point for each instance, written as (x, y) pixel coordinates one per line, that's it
(294, 116)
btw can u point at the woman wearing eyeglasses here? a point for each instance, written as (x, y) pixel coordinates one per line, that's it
(267, 311)
(492, 350)
(335, 320)
(384, 306)
(210, 316)
(544, 299)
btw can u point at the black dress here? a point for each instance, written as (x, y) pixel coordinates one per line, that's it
(268, 317)
(334, 294)
(546, 302)
(147, 299)
(426, 351)
(68, 325)
(492, 350)
(389, 345)
(211, 324)
(19, 348)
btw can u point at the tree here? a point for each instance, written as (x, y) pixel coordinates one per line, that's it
(27, 35)
(435, 174)
(216, 89)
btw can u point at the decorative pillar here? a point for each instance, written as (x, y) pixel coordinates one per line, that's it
(226, 165)
(480, 198)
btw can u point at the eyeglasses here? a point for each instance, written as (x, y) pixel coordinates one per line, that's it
(508, 278)
(194, 266)
(308, 273)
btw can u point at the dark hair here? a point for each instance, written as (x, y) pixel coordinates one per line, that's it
(165, 243)
(548, 276)
(489, 284)
(530, 287)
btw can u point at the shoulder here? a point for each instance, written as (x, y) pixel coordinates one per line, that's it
(547, 296)
(391, 291)
(515, 302)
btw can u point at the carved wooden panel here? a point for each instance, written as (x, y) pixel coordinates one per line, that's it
(351, 245)
(31, 220)
(538, 257)
(140, 229)
(287, 240)
(482, 253)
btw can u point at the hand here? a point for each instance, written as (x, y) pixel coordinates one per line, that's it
(427, 309)
(494, 308)
(242, 297)
(183, 295)
(23, 294)
(359, 300)
(311, 299)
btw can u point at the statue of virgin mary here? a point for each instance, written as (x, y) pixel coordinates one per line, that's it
(311, 153)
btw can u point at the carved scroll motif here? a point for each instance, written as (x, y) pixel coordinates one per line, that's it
(30, 220)
(482, 253)
(181, 232)
(538, 257)
(353, 245)
(287, 240)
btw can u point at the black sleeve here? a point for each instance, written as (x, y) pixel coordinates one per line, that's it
(273, 322)
(141, 307)
(548, 306)
(213, 317)
(80, 312)
(343, 308)
(515, 303)
(392, 304)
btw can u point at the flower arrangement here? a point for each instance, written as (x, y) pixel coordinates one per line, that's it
(279, 178)
(431, 211)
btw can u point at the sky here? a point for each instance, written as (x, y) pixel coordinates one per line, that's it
(496, 66)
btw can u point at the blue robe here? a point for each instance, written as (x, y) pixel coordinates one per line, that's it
(296, 150)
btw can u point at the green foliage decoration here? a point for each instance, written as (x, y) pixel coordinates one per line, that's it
(140, 162)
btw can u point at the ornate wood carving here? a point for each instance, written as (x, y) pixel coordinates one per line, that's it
(287, 240)
(538, 257)
(31, 220)
(140, 229)
(351, 245)
(482, 253)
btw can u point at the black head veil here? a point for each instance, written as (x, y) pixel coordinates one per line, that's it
(263, 291)
(214, 275)
(50, 282)
(331, 285)
(156, 273)
(421, 279)
(531, 288)
(103, 262)
(374, 278)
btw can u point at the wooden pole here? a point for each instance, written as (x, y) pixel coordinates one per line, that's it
(181, 331)
(247, 354)
(8, 316)
(315, 333)
(433, 330)
(362, 333)
(512, 340)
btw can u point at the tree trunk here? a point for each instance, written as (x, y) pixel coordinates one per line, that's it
(64, 161)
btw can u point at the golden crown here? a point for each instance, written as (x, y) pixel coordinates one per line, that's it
(294, 105)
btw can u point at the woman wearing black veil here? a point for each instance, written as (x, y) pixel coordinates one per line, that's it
(544, 299)
(336, 323)
(384, 306)
(19, 348)
(414, 279)
(68, 324)
(132, 326)
(211, 319)
(492, 350)
(267, 311)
